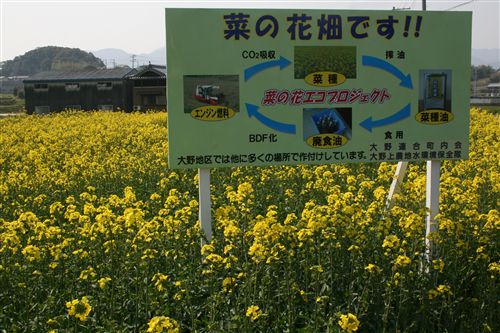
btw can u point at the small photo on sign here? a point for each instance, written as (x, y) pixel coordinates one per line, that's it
(434, 102)
(211, 97)
(327, 127)
(325, 65)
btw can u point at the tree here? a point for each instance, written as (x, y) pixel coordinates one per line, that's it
(481, 72)
(495, 77)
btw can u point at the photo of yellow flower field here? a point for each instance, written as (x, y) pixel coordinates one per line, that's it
(97, 234)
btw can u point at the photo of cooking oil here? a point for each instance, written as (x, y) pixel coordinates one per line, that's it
(434, 103)
(435, 91)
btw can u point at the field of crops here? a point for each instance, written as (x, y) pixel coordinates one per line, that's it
(10, 103)
(98, 235)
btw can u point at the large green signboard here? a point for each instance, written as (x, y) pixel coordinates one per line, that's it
(270, 87)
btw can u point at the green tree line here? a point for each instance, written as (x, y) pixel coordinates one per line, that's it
(485, 72)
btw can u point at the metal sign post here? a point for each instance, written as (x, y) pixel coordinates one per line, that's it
(431, 200)
(205, 215)
(432, 204)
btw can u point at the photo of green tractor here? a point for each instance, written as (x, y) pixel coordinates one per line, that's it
(215, 90)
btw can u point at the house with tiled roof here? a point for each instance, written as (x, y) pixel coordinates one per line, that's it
(125, 89)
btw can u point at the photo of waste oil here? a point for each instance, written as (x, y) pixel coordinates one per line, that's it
(318, 121)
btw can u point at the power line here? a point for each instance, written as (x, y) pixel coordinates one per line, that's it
(460, 5)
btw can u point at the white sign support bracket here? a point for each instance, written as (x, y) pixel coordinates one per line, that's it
(205, 205)
(396, 183)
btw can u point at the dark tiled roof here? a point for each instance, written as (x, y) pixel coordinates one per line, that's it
(83, 75)
(159, 69)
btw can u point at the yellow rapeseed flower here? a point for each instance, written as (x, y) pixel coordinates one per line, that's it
(438, 265)
(31, 253)
(103, 282)
(316, 268)
(441, 290)
(349, 323)
(494, 269)
(87, 274)
(372, 268)
(254, 312)
(401, 261)
(228, 283)
(79, 309)
(390, 241)
(158, 280)
(162, 324)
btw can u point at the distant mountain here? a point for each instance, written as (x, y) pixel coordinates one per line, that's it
(489, 57)
(115, 57)
(108, 56)
(49, 58)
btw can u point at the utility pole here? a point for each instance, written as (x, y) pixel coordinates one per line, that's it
(133, 60)
(475, 81)
(432, 193)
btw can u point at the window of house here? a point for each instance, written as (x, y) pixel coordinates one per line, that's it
(104, 85)
(72, 86)
(42, 109)
(73, 107)
(148, 99)
(41, 87)
(161, 100)
(105, 107)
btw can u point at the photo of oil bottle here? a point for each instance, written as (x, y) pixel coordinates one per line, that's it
(434, 103)
(435, 91)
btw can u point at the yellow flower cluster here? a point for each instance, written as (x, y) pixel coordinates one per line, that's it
(371, 268)
(401, 261)
(349, 323)
(254, 312)
(441, 290)
(79, 308)
(103, 282)
(162, 324)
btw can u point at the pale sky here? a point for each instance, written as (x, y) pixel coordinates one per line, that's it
(139, 27)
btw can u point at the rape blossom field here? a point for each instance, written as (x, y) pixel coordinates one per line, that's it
(98, 235)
